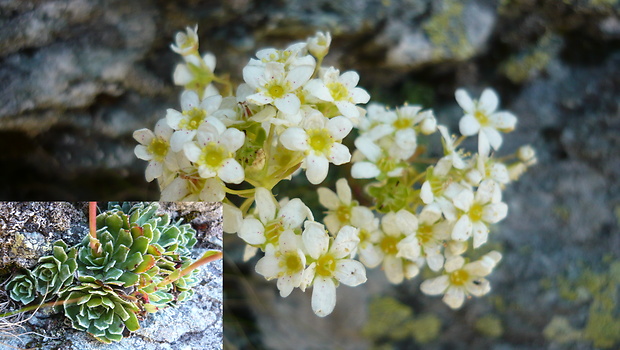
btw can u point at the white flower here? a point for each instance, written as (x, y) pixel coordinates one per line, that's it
(399, 246)
(369, 235)
(194, 114)
(485, 208)
(462, 279)
(321, 141)
(318, 45)
(155, 148)
(286, 263)
(271, 219)
(431, 235)
(196, 73)
(339, 205)
(273, 84)
(449, 150)
(339, 89)
(186, 43)
(481, 117)
(330, 264)
(214, 151)
(377, 162)
(527, 155)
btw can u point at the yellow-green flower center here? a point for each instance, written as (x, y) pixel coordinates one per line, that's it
(386, 164)
(475, 212)
(320, 140)
(425, 233)
(275, 90)
(482, 118)
(338, 91)
(292, 263)
(402, 123)
(213, 155)
(273, 231)
(459, 277)
(158, 148)
(326, 265)
(364, 235)
(343, 213)
(388, 245)
(195, 117)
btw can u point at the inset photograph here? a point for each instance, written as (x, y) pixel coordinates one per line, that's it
(123, 275)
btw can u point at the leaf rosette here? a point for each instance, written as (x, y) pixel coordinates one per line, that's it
(22, 288)
(55, 271)
(99, 310)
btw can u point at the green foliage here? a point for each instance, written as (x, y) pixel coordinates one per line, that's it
(99, 310)
(55, 272)
(22, 288)
(134, 265)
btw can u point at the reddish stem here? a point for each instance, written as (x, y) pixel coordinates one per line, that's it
(92, 222)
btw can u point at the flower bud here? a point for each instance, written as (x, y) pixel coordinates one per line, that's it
(318, 45)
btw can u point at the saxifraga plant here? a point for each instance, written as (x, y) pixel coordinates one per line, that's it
(133, 262)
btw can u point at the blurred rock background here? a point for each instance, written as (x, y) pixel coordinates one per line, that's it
(27, 231)
(78, 76)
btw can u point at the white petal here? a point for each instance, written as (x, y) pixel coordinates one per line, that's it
(350, 272)
(317, 88)
(268, 267)
(488, 101)
(209, 60)
(349, 79)
(407, 221)
(468, 125)
(347, 109)
(328, 198)
(211, 104)
(142, 153)
(232, 139)
(315, 239)
(252, 75)
(189, 100)
(182, 75)
(393, 267)
(464, 200)
(463, 99)
(294, 213)
(299, 76)
(480, 233)
(435, 286)
(265, 204)
(368, 148)
(495, 138)
(339, 154)
(339, 127)
(294, 139)
(484, 147)
(495, 212)
(144, 136)
(316, 168)
(454, 297)
(154, 170)
(180, 138)
(409, 248)
(505, 121)
(323, 296)
(232, 218)
(231, 171)
(426, 193)
(435, 261)
(252, 231)
(370, 255)
(192, 152)
(213, 191)
(462, 229)
(359, 95)
(289, 103)
(364, 170)
(175, 191)
(259, 99)
(454, 263)
(480, 288)
(346, 242)
(344, 191)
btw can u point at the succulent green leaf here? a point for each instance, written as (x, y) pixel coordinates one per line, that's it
(169, 236)
(147, 264)
(94, 302)
(113, 222)
(155, 250)
(133, 261)
(59, 253)
(129, 278)
(121, 253)
(124, 238)
(22, 288)
(113, 274)
(132, 322)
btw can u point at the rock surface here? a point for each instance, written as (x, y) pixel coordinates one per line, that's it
(195, 324)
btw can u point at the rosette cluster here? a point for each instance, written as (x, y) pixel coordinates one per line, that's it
(53, 274)
(130, 267)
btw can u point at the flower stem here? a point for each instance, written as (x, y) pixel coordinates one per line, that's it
(95, 245)
(209, 256)
(38, 306)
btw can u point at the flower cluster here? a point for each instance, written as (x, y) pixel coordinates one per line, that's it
(131, 266)
(291, 114)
